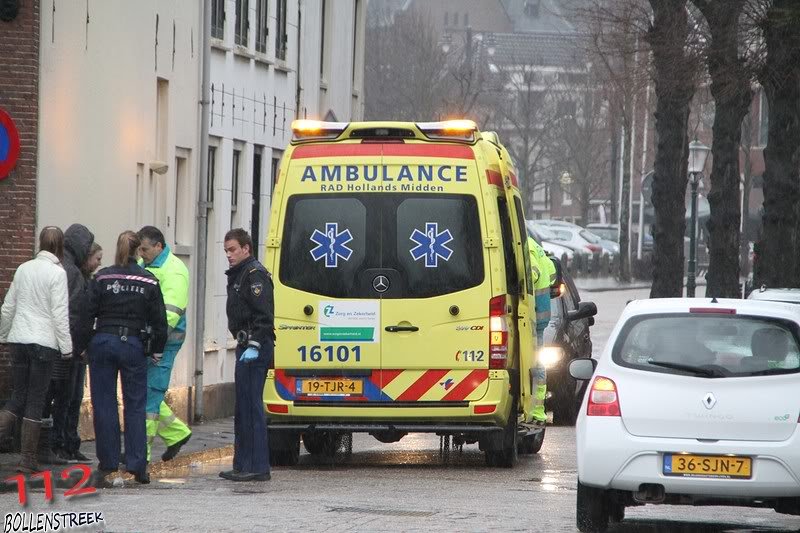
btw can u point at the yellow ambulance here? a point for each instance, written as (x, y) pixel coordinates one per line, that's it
(403, 295)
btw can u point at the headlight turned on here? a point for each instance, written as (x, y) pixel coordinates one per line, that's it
(549, 356)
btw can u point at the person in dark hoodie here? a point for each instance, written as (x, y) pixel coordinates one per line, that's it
(68, 379)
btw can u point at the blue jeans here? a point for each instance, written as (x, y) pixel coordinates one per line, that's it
(251, 447)
(109, 355)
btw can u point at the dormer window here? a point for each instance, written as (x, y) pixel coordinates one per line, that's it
(532, 8)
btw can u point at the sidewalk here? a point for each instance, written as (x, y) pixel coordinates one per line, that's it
(612, 284)
(211, 441)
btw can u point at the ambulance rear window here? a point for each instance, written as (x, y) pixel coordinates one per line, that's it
(337, 245)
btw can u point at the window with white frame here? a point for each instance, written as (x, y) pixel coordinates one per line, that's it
(242, 22)
(237, 157)
(218, 19)
(280, 29)
(262, 31)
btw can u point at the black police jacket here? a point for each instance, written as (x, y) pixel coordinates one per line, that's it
(129, 297)
(251, 304)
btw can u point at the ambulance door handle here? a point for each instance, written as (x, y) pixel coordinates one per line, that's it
(395, 329)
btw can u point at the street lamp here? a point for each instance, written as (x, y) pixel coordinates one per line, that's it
(698, 152)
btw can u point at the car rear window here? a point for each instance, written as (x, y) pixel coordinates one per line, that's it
(562, 235)
(591, 237)
(610, 234)
(709, 345)
(335, 245)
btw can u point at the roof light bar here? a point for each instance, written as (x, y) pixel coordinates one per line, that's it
(450, 130)
(306, 130)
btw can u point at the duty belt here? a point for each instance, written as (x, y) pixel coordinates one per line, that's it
(121, 331)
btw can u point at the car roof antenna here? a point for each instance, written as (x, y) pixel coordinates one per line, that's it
(714, 300)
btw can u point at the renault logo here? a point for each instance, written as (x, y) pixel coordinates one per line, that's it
(709, 400)
(380, 283)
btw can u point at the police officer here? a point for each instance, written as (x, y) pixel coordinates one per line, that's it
(126, 302)
(251, 317)
(173, 277)
(544, 275)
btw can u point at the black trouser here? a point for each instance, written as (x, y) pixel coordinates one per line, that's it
(64, 405)
(30, 378)
(70, 439)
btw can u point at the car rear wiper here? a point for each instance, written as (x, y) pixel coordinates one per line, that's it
(698, 371)
(773, 371)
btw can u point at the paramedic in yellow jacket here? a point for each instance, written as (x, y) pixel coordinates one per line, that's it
(173, 278)
(544, 275)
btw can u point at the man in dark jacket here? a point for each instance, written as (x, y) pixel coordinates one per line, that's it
(69, 376)
(251, 317)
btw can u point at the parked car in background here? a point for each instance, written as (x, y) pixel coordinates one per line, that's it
(566, 338)
(548, 240)
(791, 296)
(692, 402)
(571, 236)
(610, 232)
(609, 247)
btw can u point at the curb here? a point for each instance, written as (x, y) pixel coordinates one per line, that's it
(185, 460)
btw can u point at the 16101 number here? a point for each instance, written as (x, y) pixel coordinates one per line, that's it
(341, 354)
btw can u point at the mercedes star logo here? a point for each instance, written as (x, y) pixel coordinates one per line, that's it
(709, 400)
(380, 283)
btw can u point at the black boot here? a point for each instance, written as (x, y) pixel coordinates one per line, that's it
(173, 450)
(46, 454)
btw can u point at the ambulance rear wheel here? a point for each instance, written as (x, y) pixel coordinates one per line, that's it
(531, 444)
(321, 443)
(504, 453)
(284, 448)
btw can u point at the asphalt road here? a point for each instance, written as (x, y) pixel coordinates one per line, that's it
(412, 485)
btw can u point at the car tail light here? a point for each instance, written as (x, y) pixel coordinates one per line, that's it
(593, 248)
(498, 332)
(277, 408)
(603, 398)
(483, 409)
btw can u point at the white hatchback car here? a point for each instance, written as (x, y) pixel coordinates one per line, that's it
(693, 401)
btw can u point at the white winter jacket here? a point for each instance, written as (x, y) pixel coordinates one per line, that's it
(36, 308)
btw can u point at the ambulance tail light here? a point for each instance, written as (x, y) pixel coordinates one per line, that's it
(498, 332)
(450, 130)
(603, 398)
(316, 130)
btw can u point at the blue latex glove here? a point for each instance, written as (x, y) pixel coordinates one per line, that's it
(250, 354)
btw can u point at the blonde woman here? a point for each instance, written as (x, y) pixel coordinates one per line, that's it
(126, 300)
(35, 321)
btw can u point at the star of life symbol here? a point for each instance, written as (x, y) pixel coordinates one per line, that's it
(331, 245)
(431, 245)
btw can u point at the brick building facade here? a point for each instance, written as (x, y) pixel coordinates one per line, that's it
(19, 97)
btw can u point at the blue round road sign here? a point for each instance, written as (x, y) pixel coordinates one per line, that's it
(9, 144)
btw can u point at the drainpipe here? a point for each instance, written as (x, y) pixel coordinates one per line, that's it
(298, 83)
(202, 215)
